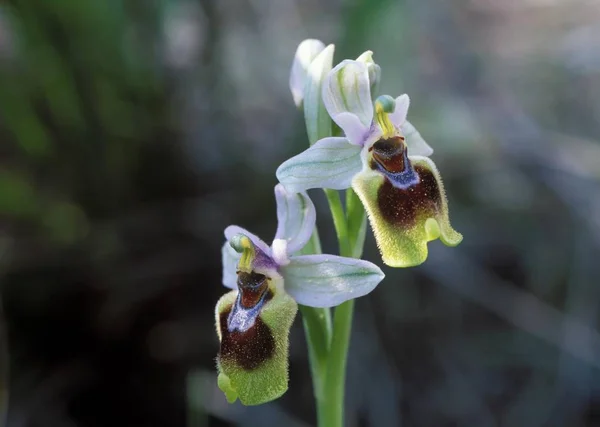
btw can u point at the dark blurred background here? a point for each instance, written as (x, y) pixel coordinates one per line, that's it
(133, 132)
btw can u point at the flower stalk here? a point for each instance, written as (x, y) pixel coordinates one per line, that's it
(328, 344)
(382, 162)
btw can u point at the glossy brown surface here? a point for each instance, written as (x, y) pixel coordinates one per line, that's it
(402, 206)
(389, 153)
(248, 349)
(251, 286)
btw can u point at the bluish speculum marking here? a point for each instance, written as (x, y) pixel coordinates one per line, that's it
(252, 295)
(390, 158)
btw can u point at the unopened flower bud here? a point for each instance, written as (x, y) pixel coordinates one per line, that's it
(374, 71)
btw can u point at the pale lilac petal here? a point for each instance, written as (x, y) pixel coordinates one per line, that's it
(230, 262)
(414, 141)
(330, 163)
(329, 280)
(398, 117)
(232, 230)
(347, 90)
(353, 128)
(306, 52)
(295, 218)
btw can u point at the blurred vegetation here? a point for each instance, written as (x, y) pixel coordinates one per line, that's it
(132, 133)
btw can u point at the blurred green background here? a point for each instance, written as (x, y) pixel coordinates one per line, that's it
(133, 132)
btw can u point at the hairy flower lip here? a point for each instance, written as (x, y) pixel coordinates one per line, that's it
(406, 214)
(253, 363)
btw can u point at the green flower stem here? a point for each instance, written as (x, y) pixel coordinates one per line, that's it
(339, 221)
(357, 223)
(335, 379)
(327, 345)
(350, 231)
(312, 319)
(317, 328)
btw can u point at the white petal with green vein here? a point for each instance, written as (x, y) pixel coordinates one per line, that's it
(329, 280)
(330, 163)
(347, 90)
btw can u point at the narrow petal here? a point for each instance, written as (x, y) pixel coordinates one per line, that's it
(330, 163)
(346, 90)
(415, 142)
(354, 130)
(329, 280)
(405, 213)
(398, 117)
(254, 346)
(318, 122)
(305, 54)
(230, 262)
(296, 218)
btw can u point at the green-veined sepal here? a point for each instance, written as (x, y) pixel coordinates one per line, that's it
(330, 163)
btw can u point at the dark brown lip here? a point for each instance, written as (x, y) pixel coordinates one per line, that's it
(248, 349)
(404, 206)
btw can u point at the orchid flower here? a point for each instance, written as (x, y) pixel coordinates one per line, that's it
(384, 159)
(254, 319)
